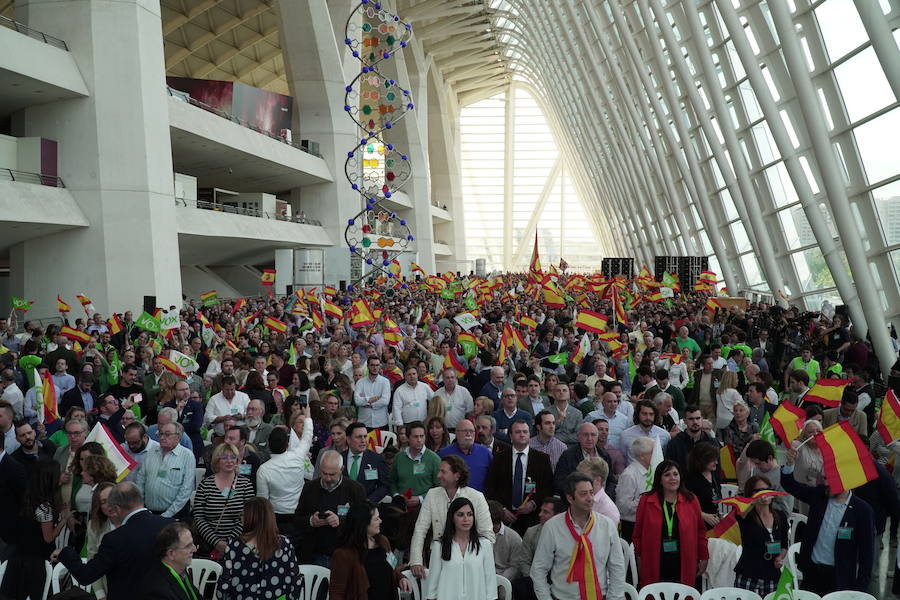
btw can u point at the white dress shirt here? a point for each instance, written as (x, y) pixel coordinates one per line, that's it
(411, 403)
(281, 478)
(375, 414)
(219, 406)
(459, 404)
(433, 516)
(636, 431)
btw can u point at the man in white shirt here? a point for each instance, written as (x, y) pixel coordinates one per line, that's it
(373, 396)
(168, 476)
(12, 393)
(456, 397)
(560, 542)
(411, 398)
(618, 422)
(227, 404)
(645, 426)
(600, 373)
(280, 478)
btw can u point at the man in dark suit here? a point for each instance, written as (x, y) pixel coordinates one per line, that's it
(364, 466)
(167, 578)
(486, 426)
(126, 552)
(80, 395)
(519, 478)
(844, 535)
(586, 448)
(13, 478)
(703, 394)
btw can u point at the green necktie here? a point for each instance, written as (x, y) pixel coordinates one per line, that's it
(354, 468)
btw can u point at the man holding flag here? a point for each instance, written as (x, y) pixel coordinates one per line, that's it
(838, 553)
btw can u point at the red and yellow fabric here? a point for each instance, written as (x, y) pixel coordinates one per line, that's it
(450, 361)
(329, 291)
(553, 299)
(581, 564)
(827, 392)
(74, 334)
(210, 295)
(534, 266)
(238, 305)
(728, 462)
(848, 463)
(712, 305)
(417, 269)
(727, 529)
(889, 418)
(528, 322)
(360, 314)
(373, 440)
(591, 321)
(267, 277)
(275, 325)
(171, 367)
(676, 359)
(62, 306)
(115, 324)
(618, 349)
(317, 320)
(392, 335)
(333, 310)
(49, 399)
(743, 503)
(618, 308)
(581, 351)
(787, 421)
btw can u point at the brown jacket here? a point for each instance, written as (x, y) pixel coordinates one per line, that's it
(349, 580)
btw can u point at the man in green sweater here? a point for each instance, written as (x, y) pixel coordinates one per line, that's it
(415, 469)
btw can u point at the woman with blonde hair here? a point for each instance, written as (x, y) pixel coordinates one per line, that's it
(258, 563)
(437, 407)
(482, 406)
(726, 396)
(598, 470)
(219, 501)
(99, 525)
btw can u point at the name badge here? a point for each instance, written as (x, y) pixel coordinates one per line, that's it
(371, 474)
(773, 548)
(392, 560)
(234, 410)
(227, 493)
(342, 510)
(670, 545)
(845, 533)
(244, 469)
(418, 469)
(530, 487)
(162, 473)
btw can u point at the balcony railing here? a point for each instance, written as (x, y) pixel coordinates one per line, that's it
(33, 33)
(184, 97)
(248, 212)
(26, 177)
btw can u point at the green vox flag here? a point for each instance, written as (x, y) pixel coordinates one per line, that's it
(113, 371)
(766, 432)
(469, 303)
(784, 590)
(447, 294)
(20, 303)
(148, 322)
(470, 349)
(559, 359)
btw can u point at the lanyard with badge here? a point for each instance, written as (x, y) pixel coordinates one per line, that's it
(773, 547)
(670, 544)
(188, 590)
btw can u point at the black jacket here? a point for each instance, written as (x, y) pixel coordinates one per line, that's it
(569, 461)
(159, 584)
(881, 494)
(13, 477)
(73, 398)
(315, 499)
(123, 556)
(498, 485)
(376, 487)
(680, 446)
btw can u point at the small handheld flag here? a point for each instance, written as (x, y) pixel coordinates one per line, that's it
(62, 306)
(889, 418)
(827, 392)
(848, 463)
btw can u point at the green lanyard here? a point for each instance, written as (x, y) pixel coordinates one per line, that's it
(188, 590)
(670, 518)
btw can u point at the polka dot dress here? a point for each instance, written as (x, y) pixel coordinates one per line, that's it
(246, 576)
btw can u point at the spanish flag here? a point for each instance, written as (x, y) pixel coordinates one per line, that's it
(392, 334)
(618, 349)
(727, 529)
(275, 325)
(329, 291)
(728, 463)
(238, 305)
(676, 359)
(827, 392)
(361, 315)
(582, 568)
(655, 297)
(848, 463)
(534, 267)
(49, 399)
(889, 418)
(172, 367)
(609, 336)
(317, 320)
(712, 305)
(394, 268)
(62, 306)
(743, 503)
(417, 269)
(618, 309)
(267, 277)
(86, 304)
(591, 321)
(450, 361)
(74, 334)
(373, 440)
(528, 322)
(115, 324)
(553, 299)
(333, 310)
(583, 348)
(787, 421)
(231, 345)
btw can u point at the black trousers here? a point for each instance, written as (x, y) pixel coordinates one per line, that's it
(818, 579)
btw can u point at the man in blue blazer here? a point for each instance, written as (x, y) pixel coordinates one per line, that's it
(364, 466)
(126, 553)
(841, 532)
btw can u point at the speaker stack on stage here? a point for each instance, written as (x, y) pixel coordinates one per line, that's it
(610, 267)
(687, 268)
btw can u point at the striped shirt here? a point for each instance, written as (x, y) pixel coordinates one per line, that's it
(167, 482)
(217, 513)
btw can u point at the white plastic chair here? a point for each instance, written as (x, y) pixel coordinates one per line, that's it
(452, 436)
(729, 593)
(59, 572)
(2, 570)
(630, 592)
(630, 561)
(668, 591)
(793, 523)
(791, 562)
(848, 595)
(199, 474)
(504, 586)
(729, 490)
(62, 540)
(798, 595)
(414, 584)
(312, 578)
(48, 579)
(204, 572)
(387, 438)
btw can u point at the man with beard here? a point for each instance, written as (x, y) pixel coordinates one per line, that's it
(137, 445)
(31, 449)
(257, 431)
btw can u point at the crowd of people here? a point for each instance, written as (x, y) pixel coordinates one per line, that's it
(520, 445)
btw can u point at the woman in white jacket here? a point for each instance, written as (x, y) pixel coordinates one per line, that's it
(462, 562)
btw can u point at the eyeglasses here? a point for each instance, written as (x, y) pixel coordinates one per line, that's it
(169, 434)
(229, 457)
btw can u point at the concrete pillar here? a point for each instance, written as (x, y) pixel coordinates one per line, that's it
(115, 157)
(284, 268)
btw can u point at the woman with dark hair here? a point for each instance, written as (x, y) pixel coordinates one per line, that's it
(437, 436)
(259, 563)
(764, 540)
(82, 494)
(255, 388)
(362, 566)
(41, 519)
(703, 481)
(462, 563)
(669, 537)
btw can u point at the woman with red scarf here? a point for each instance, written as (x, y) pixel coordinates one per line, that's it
(669, 534)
